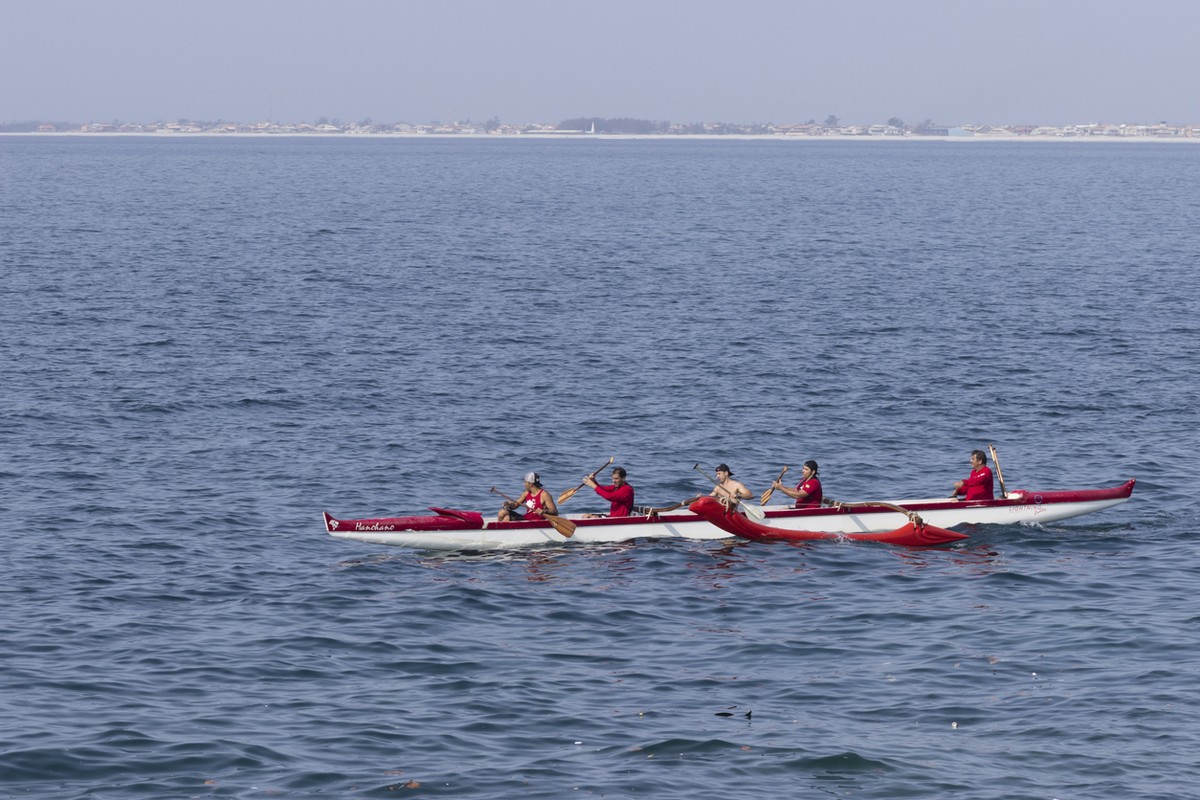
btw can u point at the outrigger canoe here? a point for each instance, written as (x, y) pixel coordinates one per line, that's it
(453, 529)
(914, 533)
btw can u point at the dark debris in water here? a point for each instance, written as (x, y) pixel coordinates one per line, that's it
(747, 715)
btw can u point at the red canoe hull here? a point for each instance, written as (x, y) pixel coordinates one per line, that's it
(909, 535)
(447, 519)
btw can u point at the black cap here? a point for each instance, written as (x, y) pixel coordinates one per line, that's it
(724, 468)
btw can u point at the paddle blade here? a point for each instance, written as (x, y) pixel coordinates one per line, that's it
(569, 493)
(563, 525)
(753, 511)
(771, 489)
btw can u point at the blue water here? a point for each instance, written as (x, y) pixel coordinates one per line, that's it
(204, 343)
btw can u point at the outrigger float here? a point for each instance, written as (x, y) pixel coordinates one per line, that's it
(453, 529)
(915, 533)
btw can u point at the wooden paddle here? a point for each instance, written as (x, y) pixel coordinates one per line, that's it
(762, 501)
(999, 473)
(751, 511)
(569, 493)
(561, 524)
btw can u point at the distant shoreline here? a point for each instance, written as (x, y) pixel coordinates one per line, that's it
(766, 137)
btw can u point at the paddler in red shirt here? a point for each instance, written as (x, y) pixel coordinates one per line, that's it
(534, 503)
(620, 493)
(807, 493)
(978, 485)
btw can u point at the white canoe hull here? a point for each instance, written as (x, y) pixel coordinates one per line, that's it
(1017, 507)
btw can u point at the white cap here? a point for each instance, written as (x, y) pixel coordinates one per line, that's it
(531, 477)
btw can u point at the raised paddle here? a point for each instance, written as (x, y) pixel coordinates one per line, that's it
(561, 524)
(569, 493)
(771, 489)
(751, 511)
(999, 473)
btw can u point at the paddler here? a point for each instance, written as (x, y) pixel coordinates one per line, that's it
(535, 502)
(727, 489)
(978, 485)
(807, 493)
(619, 494)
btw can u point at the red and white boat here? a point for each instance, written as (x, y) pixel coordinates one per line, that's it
(452, 529)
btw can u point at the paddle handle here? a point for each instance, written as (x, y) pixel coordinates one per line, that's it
(999, 472)
(494, 490)
(569, 493)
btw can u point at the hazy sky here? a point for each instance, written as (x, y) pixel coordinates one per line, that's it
(953, 61)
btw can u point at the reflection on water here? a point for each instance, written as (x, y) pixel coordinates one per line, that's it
(979, 559)
(710, 565)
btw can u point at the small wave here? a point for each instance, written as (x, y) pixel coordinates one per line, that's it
(267, 402)
(688, 749)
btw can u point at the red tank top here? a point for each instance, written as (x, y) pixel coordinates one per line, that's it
(532, 501)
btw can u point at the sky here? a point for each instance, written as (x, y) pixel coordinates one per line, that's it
(954, 62)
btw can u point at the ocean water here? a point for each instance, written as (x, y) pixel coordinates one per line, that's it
(206, 342)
